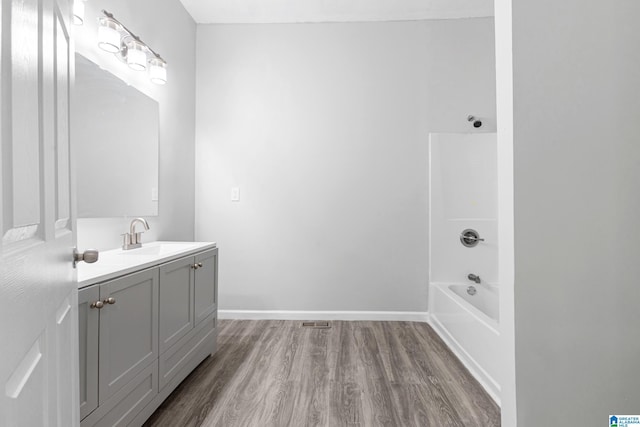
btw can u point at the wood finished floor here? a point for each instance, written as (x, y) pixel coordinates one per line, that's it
(275, 373)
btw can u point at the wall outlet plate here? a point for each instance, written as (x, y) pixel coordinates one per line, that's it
(235, 194)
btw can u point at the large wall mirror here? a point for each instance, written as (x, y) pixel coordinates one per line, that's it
(115, 132)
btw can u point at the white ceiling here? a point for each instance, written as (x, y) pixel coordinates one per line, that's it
(293, 11)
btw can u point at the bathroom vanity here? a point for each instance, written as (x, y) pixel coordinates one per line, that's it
(148, 317)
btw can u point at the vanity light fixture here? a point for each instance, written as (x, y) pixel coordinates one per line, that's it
(78, 12)
(115, 38)
(109, 34)
(158, 71)
(136, 55)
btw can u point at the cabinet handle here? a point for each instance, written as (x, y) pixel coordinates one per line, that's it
(110, 300)
(97, 304)
(194, 266)
(199, 264)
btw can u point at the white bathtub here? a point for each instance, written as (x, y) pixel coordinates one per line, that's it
(469, 326)
(486, 299)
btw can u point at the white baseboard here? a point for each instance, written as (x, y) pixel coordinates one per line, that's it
(405, 316)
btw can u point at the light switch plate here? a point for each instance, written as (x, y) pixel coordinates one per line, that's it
(235, 194)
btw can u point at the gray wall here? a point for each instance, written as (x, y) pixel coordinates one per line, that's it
(170, 30)
(324, 127)
(577, 204)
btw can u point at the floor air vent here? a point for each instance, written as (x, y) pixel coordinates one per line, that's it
(317, 325)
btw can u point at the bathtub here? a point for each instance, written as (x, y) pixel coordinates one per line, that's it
(468, 324)
(486, 299)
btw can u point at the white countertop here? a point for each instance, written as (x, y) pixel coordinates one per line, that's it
(116, 262)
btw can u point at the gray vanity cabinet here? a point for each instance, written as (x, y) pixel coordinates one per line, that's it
(141, 334)
(88, 331)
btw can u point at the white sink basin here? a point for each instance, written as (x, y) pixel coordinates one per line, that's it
(158, 249)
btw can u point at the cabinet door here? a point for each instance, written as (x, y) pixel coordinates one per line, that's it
(128, 329)
(206, 284)
(176, 301)
(88, 328)
(127, 402)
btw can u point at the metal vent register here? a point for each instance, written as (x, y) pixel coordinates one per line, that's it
(317, 325)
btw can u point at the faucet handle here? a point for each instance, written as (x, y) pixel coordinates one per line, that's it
(126, 241)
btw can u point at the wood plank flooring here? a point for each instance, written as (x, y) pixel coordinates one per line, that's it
(275, 373)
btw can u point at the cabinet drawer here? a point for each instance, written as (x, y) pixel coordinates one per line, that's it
(127, 402)
(174, 359)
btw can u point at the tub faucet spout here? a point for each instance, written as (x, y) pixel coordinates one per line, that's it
(474, 278)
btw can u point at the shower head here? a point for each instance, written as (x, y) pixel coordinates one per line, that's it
(476, 123)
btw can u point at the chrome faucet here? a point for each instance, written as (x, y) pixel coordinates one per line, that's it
(474, 278)
(132, 240)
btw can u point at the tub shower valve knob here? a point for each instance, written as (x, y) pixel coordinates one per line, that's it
(470, 238)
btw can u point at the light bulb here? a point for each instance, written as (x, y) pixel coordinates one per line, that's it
(136, 55)
(158, 71)
(109, 35)
(78, 12)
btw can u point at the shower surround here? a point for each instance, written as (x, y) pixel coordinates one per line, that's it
(463, 197)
